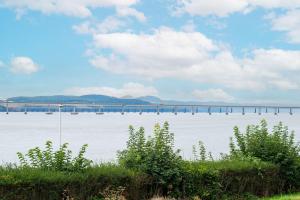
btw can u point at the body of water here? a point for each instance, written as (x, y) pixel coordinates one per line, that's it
(108, 133)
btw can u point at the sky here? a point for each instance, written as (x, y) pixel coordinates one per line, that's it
(203, 50)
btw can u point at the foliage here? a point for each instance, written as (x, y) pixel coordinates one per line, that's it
(214, 179)
(151, 166)
(207, 180)
(60, 160)
(154, 156)
(35, 184)
(278, 147)
(284, 197)
(200, 152)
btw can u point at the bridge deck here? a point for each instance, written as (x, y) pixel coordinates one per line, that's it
(94, 107)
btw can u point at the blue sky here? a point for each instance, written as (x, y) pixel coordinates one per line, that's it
(216, 50)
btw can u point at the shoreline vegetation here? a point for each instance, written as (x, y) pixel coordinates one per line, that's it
(261, 164)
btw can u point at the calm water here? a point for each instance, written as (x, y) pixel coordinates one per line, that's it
(108, 133)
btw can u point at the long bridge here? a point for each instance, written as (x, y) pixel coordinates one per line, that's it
(76, 108)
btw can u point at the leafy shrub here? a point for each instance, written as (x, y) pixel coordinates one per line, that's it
(207, 180)
(211, 180)
(154, 156)
(278, 147)
(60, 160)
(200, 181)
(97, 182)
(199, 153)
(146, 167)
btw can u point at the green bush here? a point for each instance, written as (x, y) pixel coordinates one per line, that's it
(152, 166)
(60, 160)
(278, 147)
(154, 156)
(37, 184)
(207, 180)
(213, 180)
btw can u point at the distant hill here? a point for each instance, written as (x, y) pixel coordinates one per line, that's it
(156, 100)
(102, 99)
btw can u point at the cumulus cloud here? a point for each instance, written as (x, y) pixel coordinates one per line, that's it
(127, 11)
(267, 4)
(212, 95)
(109, 24)
(285, 84)
(23, 65)
(128, 89)
(75, 8)
(223, 8)
(190, 26)
(167, 53)
(275, 59)
(289, 23)
(219, 8)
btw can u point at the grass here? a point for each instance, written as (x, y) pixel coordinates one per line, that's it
(14, 175)
(227, 165)
(285, 197)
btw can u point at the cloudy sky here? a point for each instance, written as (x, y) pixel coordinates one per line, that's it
(206, 50)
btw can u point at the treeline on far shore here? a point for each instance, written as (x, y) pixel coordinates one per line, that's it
(260, 163)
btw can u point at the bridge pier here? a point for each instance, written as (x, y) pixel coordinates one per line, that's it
(122, 110)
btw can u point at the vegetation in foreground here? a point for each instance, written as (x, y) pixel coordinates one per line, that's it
(259, 164)
(285, 197)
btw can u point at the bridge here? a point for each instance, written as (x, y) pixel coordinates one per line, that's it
(76, 108)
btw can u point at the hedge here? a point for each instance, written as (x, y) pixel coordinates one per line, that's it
(207, 180)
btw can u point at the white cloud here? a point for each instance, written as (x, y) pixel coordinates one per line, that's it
(219, 8)
(189, 26)
(289, 23)
(127, 11)
(271, 4)
(23, 65)
(109, 24)
(167, 53)
(275, 59)
(223, 8)
(285, 84)
(212, 95)
(128, 89)
(76, 8)
(84, 28)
